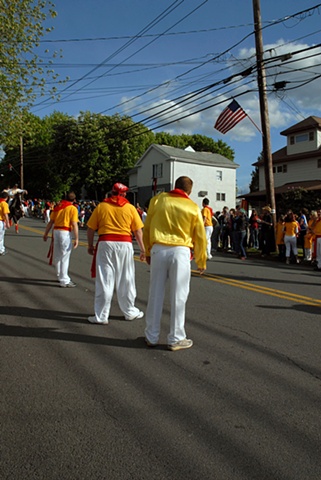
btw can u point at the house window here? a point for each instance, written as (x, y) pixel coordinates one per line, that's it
(219, 175)
(220, 197)
(274, 169)
(284, 168)
(279, 169)
(301, 138)
(158, 170)
(311, 136)
(292, 140)
(319, 162)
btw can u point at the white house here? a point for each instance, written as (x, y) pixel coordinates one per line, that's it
(214, 176)
(298, 164)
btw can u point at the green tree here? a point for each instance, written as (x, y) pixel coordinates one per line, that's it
(297, 198)
(23, 75)
(254, 185)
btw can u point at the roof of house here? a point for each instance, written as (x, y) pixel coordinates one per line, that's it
(281, 156)
(308, 123)
(199, 158)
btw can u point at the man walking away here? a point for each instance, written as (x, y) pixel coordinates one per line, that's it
(115, 219)
(207, 214)
(173, 227)
(4, 220)
(64, 220)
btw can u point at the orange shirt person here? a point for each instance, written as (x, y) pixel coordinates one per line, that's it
(64, 221)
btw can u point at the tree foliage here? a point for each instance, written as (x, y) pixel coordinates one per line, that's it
(23, 75)
(89, 152)
(254, 185)
(297, 198)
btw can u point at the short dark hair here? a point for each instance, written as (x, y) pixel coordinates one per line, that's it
(71, 196)
(4, 195)
(206, 201)
(185, 184)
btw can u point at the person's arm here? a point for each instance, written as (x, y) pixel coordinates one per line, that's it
(90, 239)
(7, 221)
(139, 237)
(76, 233)
(48, 228)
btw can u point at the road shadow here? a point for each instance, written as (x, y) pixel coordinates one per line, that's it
(52, 333)
(314, 310)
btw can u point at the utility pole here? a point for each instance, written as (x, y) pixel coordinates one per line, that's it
(21, 162)
(265, 122)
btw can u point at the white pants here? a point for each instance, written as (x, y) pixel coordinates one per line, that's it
(290, 243)
(2, 232)
(208, 232)
(115, 267)
(173, 263)
(61, 254)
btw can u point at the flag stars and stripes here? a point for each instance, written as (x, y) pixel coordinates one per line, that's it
(230, 117)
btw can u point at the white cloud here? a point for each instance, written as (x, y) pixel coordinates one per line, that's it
(286, 107)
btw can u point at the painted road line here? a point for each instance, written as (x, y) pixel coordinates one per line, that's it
(258, 289)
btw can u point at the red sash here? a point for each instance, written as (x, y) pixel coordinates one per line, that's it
(68, 229)
(108, 237)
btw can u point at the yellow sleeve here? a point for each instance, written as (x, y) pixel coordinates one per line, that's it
(199, 242)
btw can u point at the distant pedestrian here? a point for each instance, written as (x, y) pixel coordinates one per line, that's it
(267, 237)
(64, 221)
(207, 214)
(291, 230)
(4, 220)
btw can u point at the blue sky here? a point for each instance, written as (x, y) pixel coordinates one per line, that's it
(185, 46)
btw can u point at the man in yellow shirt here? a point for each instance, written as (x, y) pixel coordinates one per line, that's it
(4, 220)
(115, 219)
(173, 227)
(64, 220)
(207, 214)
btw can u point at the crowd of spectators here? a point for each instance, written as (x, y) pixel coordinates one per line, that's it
(294, 238)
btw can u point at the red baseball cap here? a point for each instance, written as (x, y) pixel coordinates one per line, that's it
(120, 188)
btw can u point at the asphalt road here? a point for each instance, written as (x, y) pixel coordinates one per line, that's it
(83, 401)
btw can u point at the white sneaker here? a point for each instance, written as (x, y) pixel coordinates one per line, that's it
(68, 285)
(181, 345)
(93, 320)
(139, 315)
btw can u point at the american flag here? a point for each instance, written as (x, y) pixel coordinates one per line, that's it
(230, 117)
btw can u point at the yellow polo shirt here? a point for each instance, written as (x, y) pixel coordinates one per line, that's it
(4, 208)
(207, 215)
(291, 228)
(64, 218)
(113, 219)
